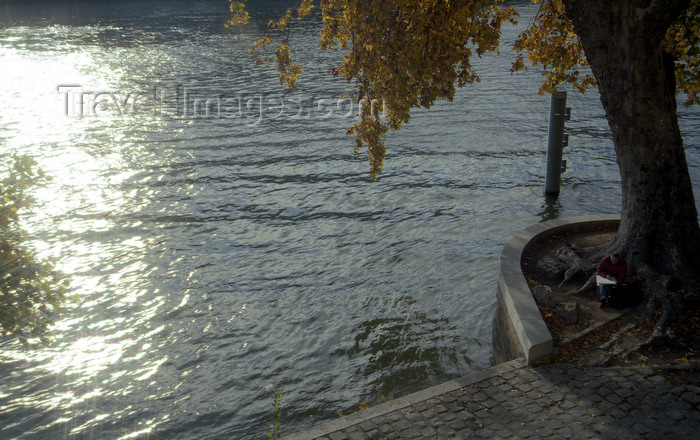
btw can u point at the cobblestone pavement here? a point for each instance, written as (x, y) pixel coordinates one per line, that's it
(512, 401)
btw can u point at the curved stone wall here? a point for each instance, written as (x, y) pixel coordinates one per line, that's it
(518, 328)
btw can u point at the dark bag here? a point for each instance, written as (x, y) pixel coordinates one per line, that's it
(625, 295)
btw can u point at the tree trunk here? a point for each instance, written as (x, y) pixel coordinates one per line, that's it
(623, 41)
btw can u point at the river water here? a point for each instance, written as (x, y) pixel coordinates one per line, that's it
(215, 258)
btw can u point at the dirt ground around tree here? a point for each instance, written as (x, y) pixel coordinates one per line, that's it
(606, 337)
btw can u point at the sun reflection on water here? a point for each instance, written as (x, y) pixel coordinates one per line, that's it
(97, 343)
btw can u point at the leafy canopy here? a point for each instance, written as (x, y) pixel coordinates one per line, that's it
(407, 54)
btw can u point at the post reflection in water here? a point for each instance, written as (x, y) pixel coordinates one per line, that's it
(550, 208)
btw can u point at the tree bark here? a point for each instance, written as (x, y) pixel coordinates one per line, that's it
(623, 42)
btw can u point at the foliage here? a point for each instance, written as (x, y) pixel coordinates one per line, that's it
(276, 416)
(239, 14)
(552, 43)
(410, 53)
(402, 53)
(31, 291)
(683, 42)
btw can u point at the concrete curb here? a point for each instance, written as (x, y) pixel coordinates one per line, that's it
(531, 336)
(404, 402)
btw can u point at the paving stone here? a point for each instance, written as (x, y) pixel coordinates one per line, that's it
(554, 424)
(427, 432)
(509, 406)
(640, 428)
(457, 424)
(623, 392)
(473, 407)
(681, 405)
(367, 425)
(440, 409)
(420, 406)
(626, 407)
(606, 406)
(604, 391)
(691, 397)
(529, 374)
(638, 415)
(449, 416)
(695, 415)
(356, 435)
(466, 415)
(544, 402)
(489, 403)
(618, 413)
(525, 387)
(402, 424)
(567, 419)
(556, 396)
(495, 381)
(593, 384)
(385, 428)
(482, 414)
(395, 416)
(499, 398)
(413, 416)
(687, 425)
(465, 400)
(480, 396)
(508, 375)
(446, 398)
(484, 433)
(429, 414)
(375, 434)
(454, 406)
(606, 419)
(676, 415)
(596, 398)
(566, 433)
(465, 433)
(588, 434)
(555, 411)
(614, 399)
(544, 432)
(567, 405)
(659, 381)
(532, 394)
(575, 384)
(446, 431)
(411, 433)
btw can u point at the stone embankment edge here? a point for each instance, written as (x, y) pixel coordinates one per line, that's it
(404, 402)
(519, 329)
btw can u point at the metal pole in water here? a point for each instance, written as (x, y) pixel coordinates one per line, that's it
(558, 113)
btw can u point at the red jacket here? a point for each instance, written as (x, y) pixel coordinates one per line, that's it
(619, 270)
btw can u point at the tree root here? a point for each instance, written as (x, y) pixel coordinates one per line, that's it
(588, 285)
(569, 255)
(669, 295)
(617, 336)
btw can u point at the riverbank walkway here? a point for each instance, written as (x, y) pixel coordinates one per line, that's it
(552, 401)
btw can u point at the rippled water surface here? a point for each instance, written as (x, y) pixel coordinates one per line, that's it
(214, 259)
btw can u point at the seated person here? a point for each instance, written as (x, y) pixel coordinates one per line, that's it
(613, 268)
